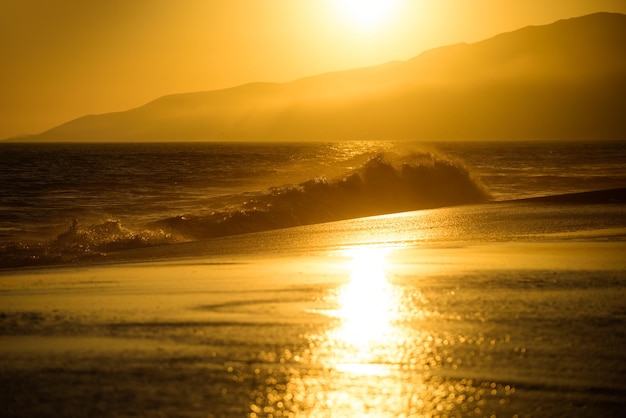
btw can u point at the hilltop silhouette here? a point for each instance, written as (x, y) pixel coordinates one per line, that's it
(566, 80)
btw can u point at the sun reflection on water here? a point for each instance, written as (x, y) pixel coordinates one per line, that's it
(359, 353)
(388, 353)
(366, 309)
(391, 344)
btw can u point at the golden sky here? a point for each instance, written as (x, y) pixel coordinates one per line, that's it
(66, 58)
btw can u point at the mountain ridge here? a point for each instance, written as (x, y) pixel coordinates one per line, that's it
(565, 80)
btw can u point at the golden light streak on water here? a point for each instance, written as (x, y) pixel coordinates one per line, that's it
(395, 342)
(366, 310)
(358, 355)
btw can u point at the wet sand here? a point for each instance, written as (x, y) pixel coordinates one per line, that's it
(507, 329)
(503, 309)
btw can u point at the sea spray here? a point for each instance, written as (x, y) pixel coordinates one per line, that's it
(82, 243)
(385, 183)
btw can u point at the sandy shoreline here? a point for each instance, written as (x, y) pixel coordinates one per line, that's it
(245, 335)
(511, 308)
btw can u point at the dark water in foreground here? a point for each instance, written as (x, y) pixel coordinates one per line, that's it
(64, 203)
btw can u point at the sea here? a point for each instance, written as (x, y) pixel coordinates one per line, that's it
(347, 279)
(69, 203)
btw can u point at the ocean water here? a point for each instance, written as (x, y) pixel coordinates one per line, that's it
(500, 297)
(67, 202)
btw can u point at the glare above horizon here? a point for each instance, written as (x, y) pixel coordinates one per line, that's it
(369, 15)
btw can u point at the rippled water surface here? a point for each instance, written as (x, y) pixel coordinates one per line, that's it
(364, 330)
(43, 187)
(494, 309)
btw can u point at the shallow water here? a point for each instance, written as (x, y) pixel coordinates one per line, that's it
(365, 331)
(385, 316)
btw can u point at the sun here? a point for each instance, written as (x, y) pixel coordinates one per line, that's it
(367, 15)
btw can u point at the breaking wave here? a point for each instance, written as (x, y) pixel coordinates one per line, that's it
(385, 183)
(81, 244)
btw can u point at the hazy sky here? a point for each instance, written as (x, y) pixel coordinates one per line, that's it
(66, 58)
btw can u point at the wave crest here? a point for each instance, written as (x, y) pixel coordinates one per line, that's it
(384, 184)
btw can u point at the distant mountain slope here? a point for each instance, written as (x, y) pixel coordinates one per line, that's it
(565, 80)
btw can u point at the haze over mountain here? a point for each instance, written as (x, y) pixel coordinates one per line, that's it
(566, 80)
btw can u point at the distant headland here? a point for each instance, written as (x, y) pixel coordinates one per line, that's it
(565, 80)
